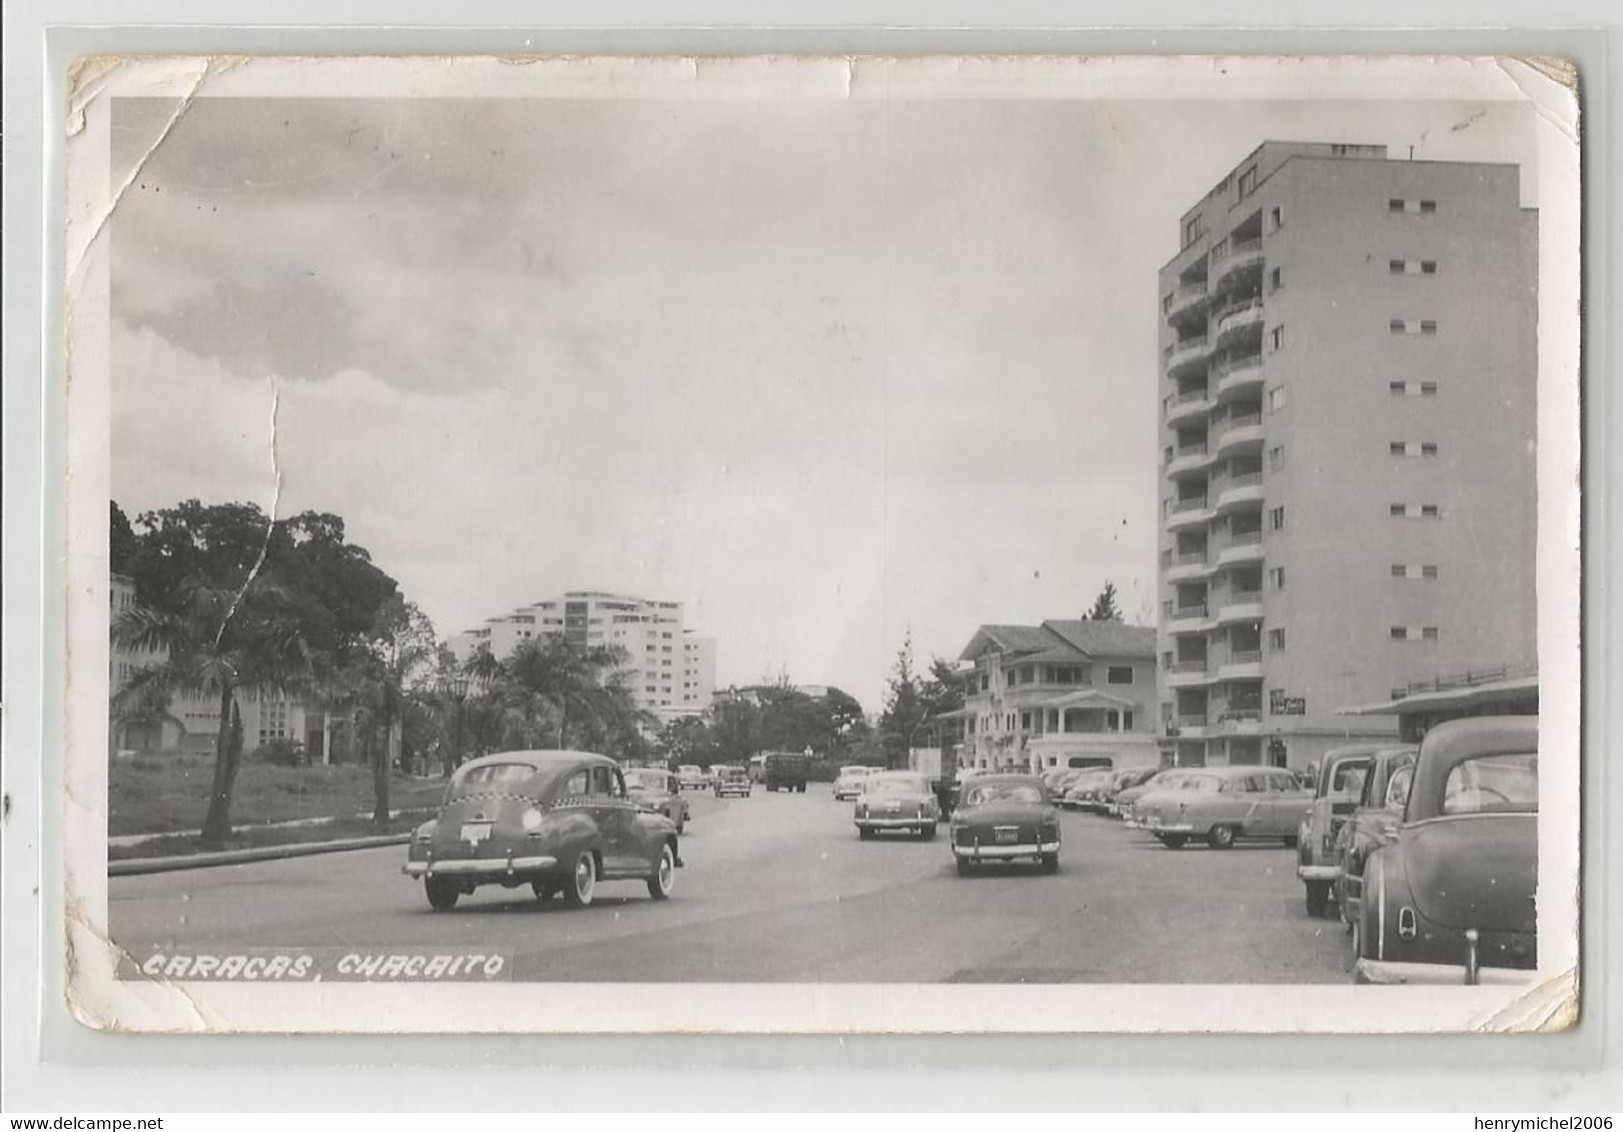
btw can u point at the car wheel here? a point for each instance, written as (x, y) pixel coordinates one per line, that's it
(442, 893)
(1050, 863)
(928, 832)
(865, 833)
(965, 866)
(664, 878)
(1173, 840)
(1221, 837)
(1318, 896)
(582, 883)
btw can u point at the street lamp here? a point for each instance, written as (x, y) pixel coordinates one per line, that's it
(456, 687)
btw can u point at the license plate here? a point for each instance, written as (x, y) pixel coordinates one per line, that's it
(894, 807)
(1006, 834)
(475, 832)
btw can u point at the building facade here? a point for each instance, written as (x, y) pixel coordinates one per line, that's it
(670, 670)
(1347, 418)
(1037, 696)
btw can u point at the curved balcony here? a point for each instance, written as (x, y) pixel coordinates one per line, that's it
(1187, 355)
(1189, 674)
(1238, 375)
(1189, 619)
(1241, 549)
(1240, 605)
(1240, 721)
(1187, 407)
(1188, 727)
(1241, 256)
(1188, 300)
(1189, 513)
(1241, 666)
(1240, 432)
(1190, 460)
(1238, 319)
(1239, 493)
(1188, 567)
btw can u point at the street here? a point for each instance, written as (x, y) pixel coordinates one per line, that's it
(778, 888)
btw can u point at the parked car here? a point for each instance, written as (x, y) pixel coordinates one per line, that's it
(657, 790)
(1452, 899)
(848, 784)
(1124, 780)
(1222, 805)
(559, 821)
(1335, 794)
(784, 770)
(691, 778)
(896, 799)
(1094, 793)
(1373, 823)
(1079, 790)
(732, 781)
(1005, 817)
(1163, 779)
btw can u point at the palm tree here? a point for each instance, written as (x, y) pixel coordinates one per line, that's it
(220, 644)
(549, 685)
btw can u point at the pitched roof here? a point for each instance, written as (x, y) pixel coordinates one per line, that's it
(1012, 640)
(1105, 638)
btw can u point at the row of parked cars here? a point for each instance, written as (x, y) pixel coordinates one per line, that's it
(1428, 854)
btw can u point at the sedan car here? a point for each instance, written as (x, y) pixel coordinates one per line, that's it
(657, 790)
(559, 821)
(896, 800)
(732, 780)
(1005, 817)
(1225, 804)
(1373, 823)
(849, 783)
(691, 778)
(1452, 899)
(1079, 790)
(1127, 797)
(1335, 795)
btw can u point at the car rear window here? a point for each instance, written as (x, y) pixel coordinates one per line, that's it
(1499, 783)
(1003, 792)
(894, 784)
(647, 780)
(1397, 787)
(1347, 778)
(495, 773)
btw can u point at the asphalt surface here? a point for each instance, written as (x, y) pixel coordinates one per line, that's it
(778, 888)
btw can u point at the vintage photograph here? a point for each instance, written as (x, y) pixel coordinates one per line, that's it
(823, 544)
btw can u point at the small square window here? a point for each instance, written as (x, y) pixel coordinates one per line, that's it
(1429, 633)
(1397, 326)
(1399, 510)
(1428, 449)
(1428, 206)
(1397, 448)
(1428, 389)
(1428, 267)
(1276, 517)
(1395, 204)
(1427, 326)
(1399, 633)
(1397, 388)
(1276, 279)
(1276, 575)
(1399, 570)
(1276, 640)
(1276, 219)
(1276, 457)
(1428, 571)
(1395, 266)
(1276, 337)
(1429, 511)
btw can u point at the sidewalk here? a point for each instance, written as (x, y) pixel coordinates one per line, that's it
(126, 840)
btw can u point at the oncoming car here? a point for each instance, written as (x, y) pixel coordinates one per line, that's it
(896, 800)
(657, 790)
(1005, 817)
(849, 783)
(559, 821)
(733, 781)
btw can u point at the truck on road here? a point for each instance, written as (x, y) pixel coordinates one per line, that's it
(785, 770)
(940, 768)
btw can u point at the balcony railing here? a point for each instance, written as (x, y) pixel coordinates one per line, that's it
(1191, 721)
(1240, 715)
(1243, 307)
(1235, 365)
(1245, 538)
(1189, 668)
(1198, 448)
(1244, 479)
(1221, 258)
(1186, 398)
(1241, 420)
(1196, 504)
(1247, 657)
(1242, 597)
(1184, 612)
(1193, 558)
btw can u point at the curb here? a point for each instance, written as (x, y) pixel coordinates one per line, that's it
(136, 866)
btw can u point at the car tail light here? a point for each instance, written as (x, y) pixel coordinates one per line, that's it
(531, 821)
(1329, 843)
(1407, 928)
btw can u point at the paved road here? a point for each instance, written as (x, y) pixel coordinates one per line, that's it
(779, 888)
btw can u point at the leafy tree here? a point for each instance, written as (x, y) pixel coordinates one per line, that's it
(402, 649)
(1104, 606)
(550, 691)
(905, 708)
(121, 541)
(222, 643)
(735, 726)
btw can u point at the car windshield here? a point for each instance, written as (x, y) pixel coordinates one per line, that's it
(894, 784)
(1498, 783)
(1397, 787)
(646, 780)
(991, 792)
(1347, 778)
(689, 770)
(852, 771)
(493, 773)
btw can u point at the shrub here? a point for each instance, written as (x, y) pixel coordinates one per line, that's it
(283, 752)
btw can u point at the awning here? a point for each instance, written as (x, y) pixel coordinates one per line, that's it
(1453, 699)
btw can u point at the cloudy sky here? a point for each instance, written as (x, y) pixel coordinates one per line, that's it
(825, 370)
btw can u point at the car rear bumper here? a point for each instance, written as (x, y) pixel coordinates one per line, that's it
(1385, 972)
(894, 823)
(734, 791)
(509, 866)
(1004, 852)
(1318, 872)
(1154, 826)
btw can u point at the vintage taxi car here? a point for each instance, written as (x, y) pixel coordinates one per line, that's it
(732, 781)
(691, 778)
(848, 784)
(1335, 796)
(656, 790)
(1005, 817)
(1453, 898)
(559, 821)
(1224, 804)
(1373, 823)
(896, 800)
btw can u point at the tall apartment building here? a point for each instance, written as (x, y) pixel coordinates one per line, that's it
(672, 671)
(1347, 373)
